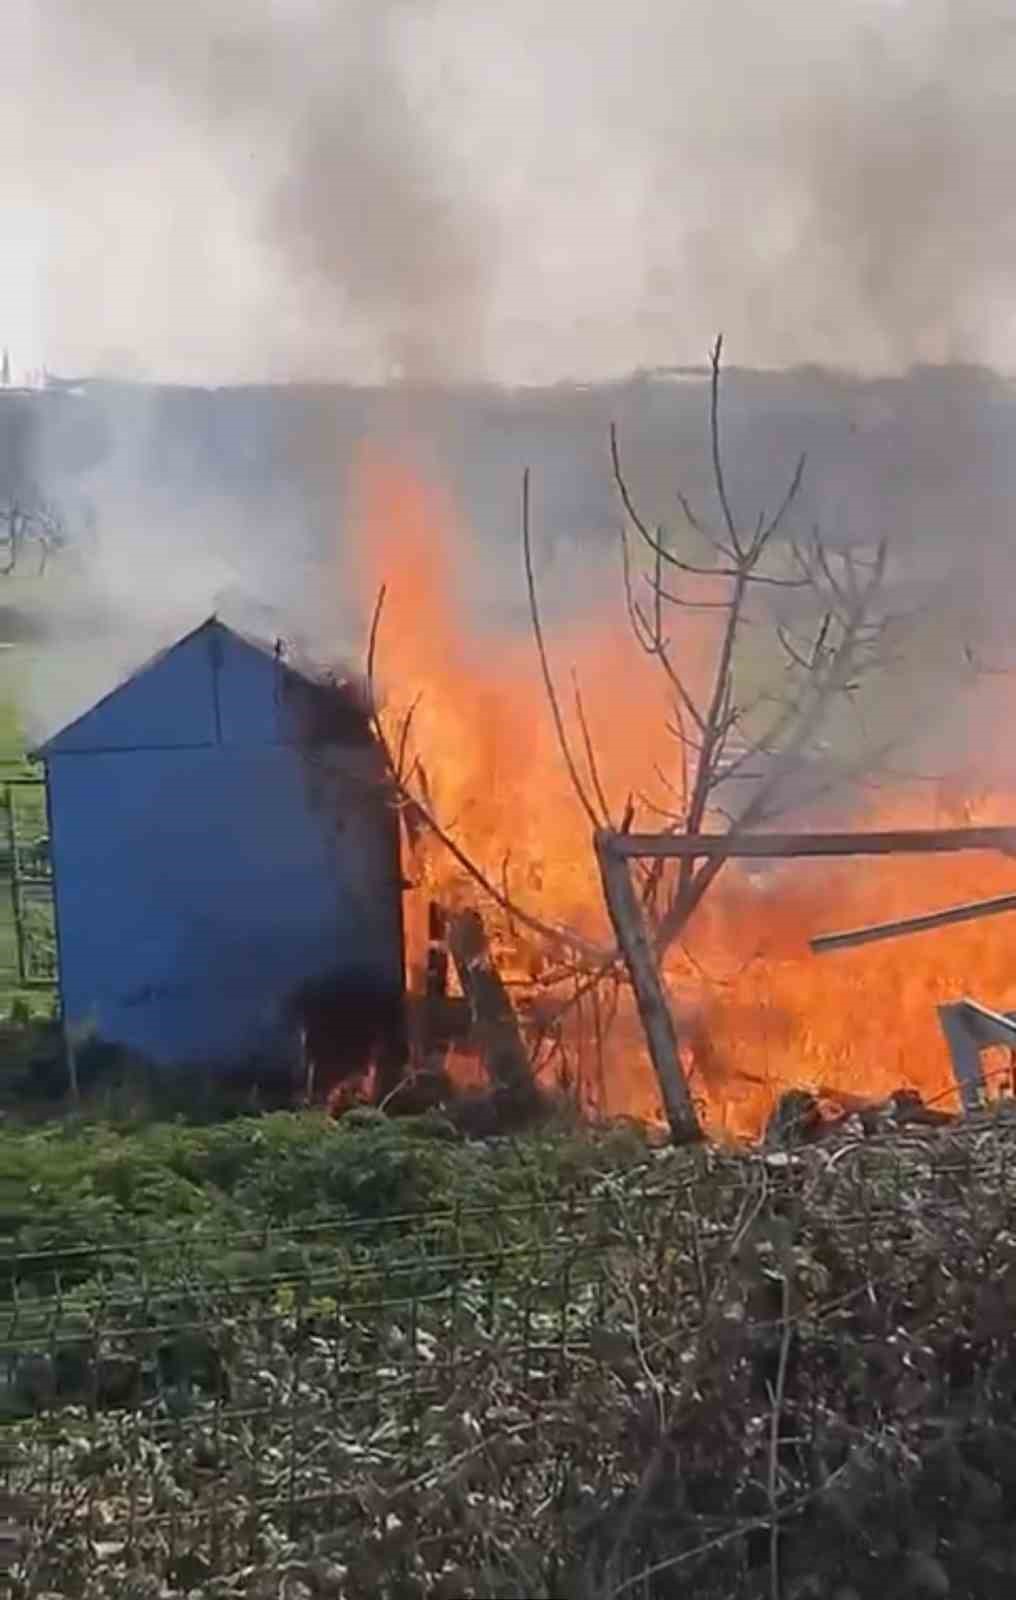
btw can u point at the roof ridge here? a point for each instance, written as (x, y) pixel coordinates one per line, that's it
(296, 666)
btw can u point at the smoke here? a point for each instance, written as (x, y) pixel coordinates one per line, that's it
(224, 190)
(228, 191)
(177, 504)
(246, 189)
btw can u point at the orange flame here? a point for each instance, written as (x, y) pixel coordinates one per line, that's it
(766, 1014)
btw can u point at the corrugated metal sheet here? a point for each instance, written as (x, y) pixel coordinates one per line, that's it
(207, 866)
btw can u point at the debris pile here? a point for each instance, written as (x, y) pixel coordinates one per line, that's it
(801, 1117)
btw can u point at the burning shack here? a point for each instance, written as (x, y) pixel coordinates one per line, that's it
(226, 865)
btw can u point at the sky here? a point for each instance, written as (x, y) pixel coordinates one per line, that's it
(224, 191)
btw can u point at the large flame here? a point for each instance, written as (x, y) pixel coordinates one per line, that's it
(765, 1013)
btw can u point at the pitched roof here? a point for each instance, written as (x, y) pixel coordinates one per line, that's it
(84, 731)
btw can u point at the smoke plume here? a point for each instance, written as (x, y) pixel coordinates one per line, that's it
(223, 190)
(230, 191)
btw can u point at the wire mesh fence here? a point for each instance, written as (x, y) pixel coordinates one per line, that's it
(27, 930)
(589, 1394)
(186, 1404)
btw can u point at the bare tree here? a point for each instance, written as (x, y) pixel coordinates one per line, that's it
(736, 753)
(31, 523)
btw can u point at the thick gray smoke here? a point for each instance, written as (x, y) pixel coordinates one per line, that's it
(224, 191)
(234, 189)
(231, 189)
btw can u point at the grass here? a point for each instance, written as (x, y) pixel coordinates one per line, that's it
(12, 744)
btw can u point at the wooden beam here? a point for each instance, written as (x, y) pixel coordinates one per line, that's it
(495, 1024)
(760, 846)
(654, 1012)
(903, 926)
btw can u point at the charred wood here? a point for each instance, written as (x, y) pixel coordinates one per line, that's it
(495, 1025)
(803, 1118)
(902, 841)
(971, 911)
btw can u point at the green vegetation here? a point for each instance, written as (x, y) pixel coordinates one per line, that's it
(77, 1185)
(372, 1359)
(12, 746)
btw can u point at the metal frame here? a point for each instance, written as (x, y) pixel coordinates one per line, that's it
(21, 884)
(970, 1028)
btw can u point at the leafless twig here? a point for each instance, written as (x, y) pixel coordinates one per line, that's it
(725, 737)
(587, 805)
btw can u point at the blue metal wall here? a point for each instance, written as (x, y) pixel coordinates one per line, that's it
(204, 868)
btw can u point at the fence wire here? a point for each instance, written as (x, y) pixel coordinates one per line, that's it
(484, 1387)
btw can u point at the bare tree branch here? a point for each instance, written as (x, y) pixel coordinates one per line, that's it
(534, 613)
(823, 663)
(34, 522)
(653, 642)
(591, 761)
(714, 432)
(419, 807)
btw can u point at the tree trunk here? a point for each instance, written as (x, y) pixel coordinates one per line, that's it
(654, 1012)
